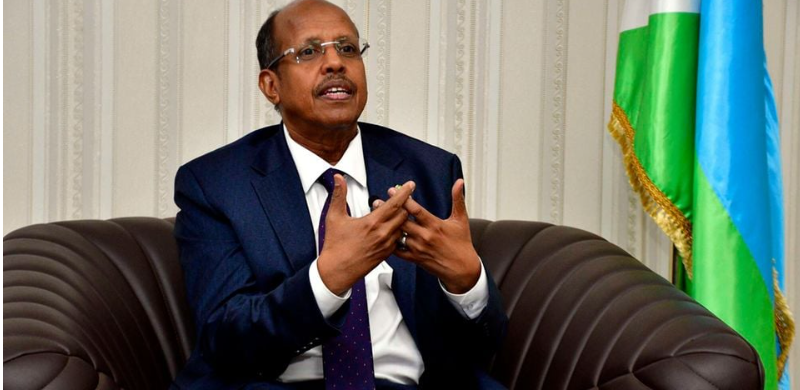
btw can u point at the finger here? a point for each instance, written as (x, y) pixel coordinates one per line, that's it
(374, 202)
(410, 252)
(338, 204)
(411, 246)
(393, 190)
(459, 203)
(396, 237)
(412, 228)
(395, 203)
(404, 254)
(396, 234)
(395, 220)
(377, 203)
(419, 213)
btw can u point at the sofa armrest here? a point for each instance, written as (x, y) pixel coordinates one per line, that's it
(584, 314)
(93, 304)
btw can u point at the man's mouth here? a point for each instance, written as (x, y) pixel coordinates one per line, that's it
(339, 89)
(336, 93)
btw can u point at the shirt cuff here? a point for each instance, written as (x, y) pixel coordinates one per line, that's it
(327, 301)
(471, 303)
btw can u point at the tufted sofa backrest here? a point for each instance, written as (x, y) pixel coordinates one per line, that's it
(101, 305)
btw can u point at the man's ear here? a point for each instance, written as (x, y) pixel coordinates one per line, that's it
(269, 84)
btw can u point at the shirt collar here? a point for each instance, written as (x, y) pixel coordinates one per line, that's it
(310, 166)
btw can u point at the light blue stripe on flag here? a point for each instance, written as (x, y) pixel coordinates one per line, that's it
(731, 143)
(737, 133)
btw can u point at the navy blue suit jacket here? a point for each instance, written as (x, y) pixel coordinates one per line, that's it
(246, 242)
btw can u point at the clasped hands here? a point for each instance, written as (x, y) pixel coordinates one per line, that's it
(354, 246)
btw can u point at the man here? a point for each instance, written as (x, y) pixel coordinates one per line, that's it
(293, 280)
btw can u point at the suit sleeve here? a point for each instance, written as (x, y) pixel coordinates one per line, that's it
(243, 329)
(478, 339)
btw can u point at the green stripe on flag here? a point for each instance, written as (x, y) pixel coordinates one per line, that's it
(655, 91)
(726, 278)
(665, 138)
(630, 72)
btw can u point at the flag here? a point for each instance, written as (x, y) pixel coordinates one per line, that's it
(695, 116)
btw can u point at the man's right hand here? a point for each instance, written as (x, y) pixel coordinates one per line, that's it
(354, 246)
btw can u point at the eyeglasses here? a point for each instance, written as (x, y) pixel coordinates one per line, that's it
(311, 51)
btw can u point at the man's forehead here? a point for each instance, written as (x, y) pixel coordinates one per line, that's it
(315, 21)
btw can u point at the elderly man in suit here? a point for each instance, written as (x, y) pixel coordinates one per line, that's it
(328, 253)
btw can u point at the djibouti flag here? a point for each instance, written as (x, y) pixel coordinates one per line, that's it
(694, 114)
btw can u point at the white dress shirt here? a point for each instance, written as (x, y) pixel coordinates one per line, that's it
(396, 356)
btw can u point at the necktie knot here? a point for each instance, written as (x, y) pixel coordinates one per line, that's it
(326, 179)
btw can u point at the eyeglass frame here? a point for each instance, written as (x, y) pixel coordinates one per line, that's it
(296, 49)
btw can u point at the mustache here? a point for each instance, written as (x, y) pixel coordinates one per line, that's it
(333, 81)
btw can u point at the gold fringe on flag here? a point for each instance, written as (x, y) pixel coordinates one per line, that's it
(784, 324)
(666, 215)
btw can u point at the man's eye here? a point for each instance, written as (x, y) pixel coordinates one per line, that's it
(307, 52)
(348, 48)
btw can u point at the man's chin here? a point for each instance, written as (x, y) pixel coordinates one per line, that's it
(340, 123)
(340, 118)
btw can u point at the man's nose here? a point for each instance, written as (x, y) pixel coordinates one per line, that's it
(332, 61)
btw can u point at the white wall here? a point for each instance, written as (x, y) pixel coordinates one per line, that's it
(103, 100)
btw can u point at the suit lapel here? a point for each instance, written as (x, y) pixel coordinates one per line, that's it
(383, 172)
(281, 195)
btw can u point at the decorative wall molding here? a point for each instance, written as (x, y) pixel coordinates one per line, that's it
(163, 139)
(558, 114)
(635, 224)
(383, 28)
(433, 61)
(461, 78)
(469, 145)
(257, 104)
(75, 206)
(553, 111)
(93, 96)
(58, 143)
(108, 82)
(39, 92)
(233, 57)
(169, 30)
(612, 161)
(492, 126)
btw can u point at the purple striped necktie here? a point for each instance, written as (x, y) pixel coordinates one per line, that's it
(347, 358)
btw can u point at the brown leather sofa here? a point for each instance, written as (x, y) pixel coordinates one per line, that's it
(101, 305)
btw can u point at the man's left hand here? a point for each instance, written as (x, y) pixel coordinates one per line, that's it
(442, 247)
